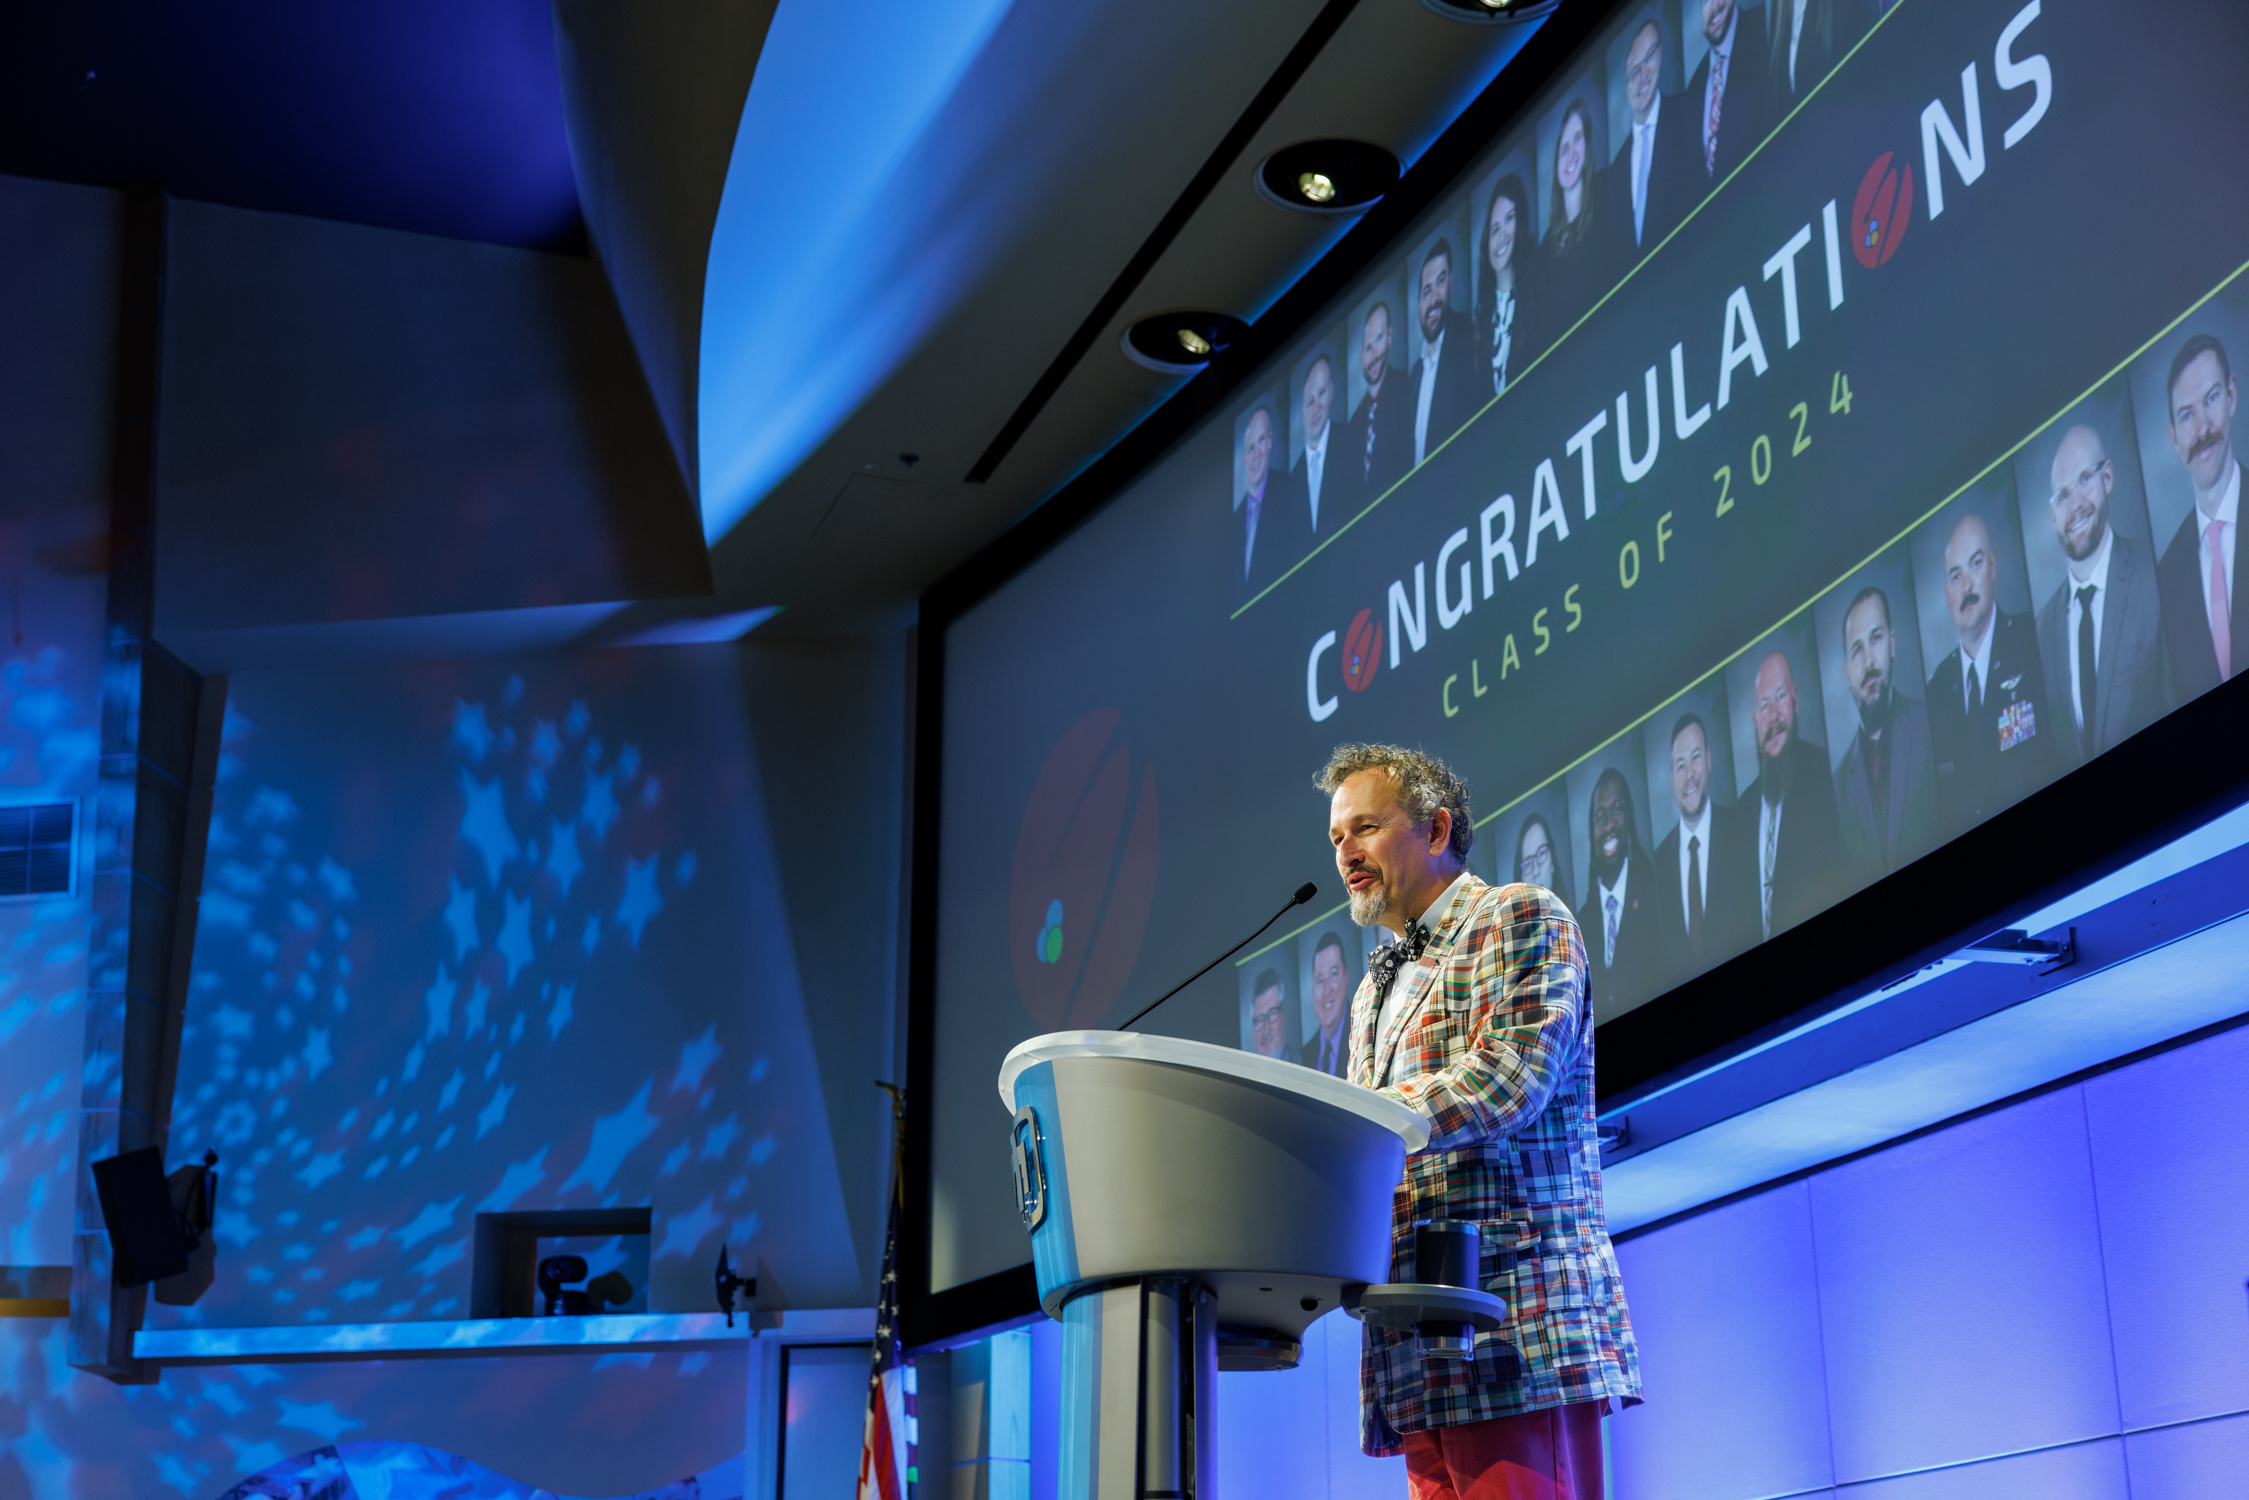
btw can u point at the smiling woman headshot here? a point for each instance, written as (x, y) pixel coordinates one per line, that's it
(1571, 246)
(1506, 322)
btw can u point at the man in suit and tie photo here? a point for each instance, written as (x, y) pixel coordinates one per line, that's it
(2208, 639)
(1660, 162)
(2100, 634)
(1267, 526)
(1705, 865)
(1988, 711)
(1313, 480)
(1268, 1018)
(1378, 440)
(1883, 789)
(1621, 946)
(1808, 38)
(1440, 384)
(1330, 1048)
(1799, 843)
(1729, 92)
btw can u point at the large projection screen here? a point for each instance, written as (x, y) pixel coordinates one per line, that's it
(1821, 471)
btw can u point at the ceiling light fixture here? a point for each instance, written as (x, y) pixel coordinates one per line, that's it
(1180, 343)
(1493, 12)
(1327, 177)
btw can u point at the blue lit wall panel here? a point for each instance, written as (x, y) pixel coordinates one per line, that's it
(58, 286)
(2086, 1471)
(1262, 1420)
(2200, 1458)
(1351, 1474)
(1960, 1294)
(50, 708)
(598, 1425)
(825, 1411)
(1726, 1307)
(2171, 1162)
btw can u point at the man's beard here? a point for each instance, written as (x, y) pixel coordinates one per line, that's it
(1874, 717)
(1370, 906)
(1772, 770)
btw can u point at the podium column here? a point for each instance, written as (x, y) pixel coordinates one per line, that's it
(1139, 1381)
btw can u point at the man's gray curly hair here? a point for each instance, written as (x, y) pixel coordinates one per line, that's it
(1424, 782)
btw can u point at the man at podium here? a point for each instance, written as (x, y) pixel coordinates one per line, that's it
(1475, 1014)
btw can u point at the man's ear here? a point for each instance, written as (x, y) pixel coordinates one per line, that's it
(1440, 829)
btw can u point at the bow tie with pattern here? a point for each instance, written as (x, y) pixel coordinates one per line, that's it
(1388, 959)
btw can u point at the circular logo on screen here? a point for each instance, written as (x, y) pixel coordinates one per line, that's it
(1362, 650)
(1883, 208)
(1084, 878)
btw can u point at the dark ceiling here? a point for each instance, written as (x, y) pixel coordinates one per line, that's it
(440, 116)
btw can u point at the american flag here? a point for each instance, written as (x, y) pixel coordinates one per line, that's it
(886, 1452)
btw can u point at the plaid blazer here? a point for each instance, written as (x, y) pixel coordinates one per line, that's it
(1496, 1052)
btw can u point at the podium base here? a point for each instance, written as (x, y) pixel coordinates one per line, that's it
(1139, 1374)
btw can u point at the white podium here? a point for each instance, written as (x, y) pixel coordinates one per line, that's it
(1191, 1208)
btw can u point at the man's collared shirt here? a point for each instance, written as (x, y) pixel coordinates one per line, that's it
(1393, 1004)
(1975, 682)
(1335, 1048)
(1254, 502)
(1429, 357)
(1721, 66)
(1315, 469)
(1768, 850)
(2229, 506)
(1694, 869)
(1611, 915)
(1643, 157)
(2094, 577)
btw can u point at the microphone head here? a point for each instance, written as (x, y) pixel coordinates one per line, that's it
(1304, 893)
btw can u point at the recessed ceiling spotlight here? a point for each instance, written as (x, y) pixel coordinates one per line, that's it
(1327, 177)
(1181, 343)
(1493, 12)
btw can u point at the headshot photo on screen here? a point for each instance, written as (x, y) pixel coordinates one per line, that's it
(1573, 255)
(1312, 490)
(1704, 855)
(2091, 563)
(1327, 979)
(1378, 431)
(1649, 175)
(1877, 719)
(1269, 1010)
(1268, 541)
(2185, 394)
(1787, 782)
(1619, 908)
(1531, 842)
(1725, 52)
(1992, 730)
(1441, 377)
(1505, 312)
(1806, 39)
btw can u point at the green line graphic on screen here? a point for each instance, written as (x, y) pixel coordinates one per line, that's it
(1084, 878)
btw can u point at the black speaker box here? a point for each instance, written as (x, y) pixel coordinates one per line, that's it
(144, 1229)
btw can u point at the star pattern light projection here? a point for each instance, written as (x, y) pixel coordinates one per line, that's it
(50, 744)
(422, 995)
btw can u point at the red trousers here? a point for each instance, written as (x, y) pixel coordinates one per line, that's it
(1553, 1454)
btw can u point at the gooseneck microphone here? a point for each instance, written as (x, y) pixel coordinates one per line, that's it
(1304, 893)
